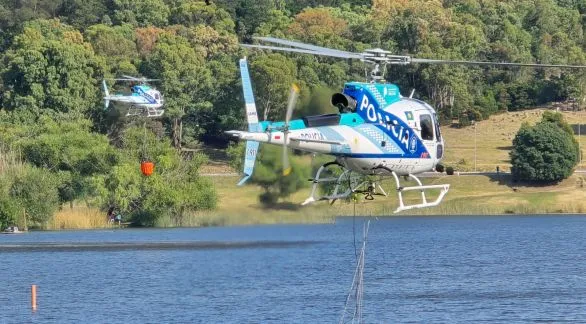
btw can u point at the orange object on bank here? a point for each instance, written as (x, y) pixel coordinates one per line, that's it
(147, 168)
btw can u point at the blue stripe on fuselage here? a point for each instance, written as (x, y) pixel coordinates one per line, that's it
(368, 107)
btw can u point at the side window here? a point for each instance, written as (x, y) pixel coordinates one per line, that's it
(426, 127)
(157, 96)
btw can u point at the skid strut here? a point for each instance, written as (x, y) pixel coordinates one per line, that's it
(348, 183)
(444, 190)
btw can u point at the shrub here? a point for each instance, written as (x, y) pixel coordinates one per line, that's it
(546, 152)
(440, 168)
(450, 170)
(268, 198)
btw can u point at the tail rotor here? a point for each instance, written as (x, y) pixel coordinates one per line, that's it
(290, 106)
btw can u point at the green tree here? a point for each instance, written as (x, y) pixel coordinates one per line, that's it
(117, 45)
(149, 12)
(186, 81)
(173, 190)
(268, 173)
(193, 13)
(272, 76)
(34, 191)
(72, 152)
(546, 152)
(82, 13)
(50, 69)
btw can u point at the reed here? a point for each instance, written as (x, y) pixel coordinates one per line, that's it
(78, 217)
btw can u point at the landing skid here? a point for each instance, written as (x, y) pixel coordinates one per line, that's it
(144, 111)
(349, 182)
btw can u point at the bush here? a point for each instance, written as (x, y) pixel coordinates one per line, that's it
(450, 170)
(35, 191)
(546, 152)
(440, 168)
(268, 198)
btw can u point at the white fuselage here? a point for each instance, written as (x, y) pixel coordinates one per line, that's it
(366, 147)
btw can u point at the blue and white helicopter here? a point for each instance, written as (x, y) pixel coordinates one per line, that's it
(142, 101)
(378, 132)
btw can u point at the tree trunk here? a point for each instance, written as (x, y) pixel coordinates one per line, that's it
(180, 132)
(176, 133)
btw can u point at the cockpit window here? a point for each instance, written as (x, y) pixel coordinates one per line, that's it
(426, 127)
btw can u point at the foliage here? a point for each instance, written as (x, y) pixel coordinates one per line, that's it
(450, 170)
(149, 12)
(34, 192)
(546, 152)
(269, 175)
(173, 190)
(49, 68)
(54, 55)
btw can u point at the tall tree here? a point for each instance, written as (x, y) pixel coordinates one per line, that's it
(185, 80)
(49, 68)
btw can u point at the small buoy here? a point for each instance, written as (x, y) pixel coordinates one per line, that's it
(147, 168)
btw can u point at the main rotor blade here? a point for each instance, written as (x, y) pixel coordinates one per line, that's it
(285, 157)
(301, 45)
(291, 104)
(432, 61)
(130, 77)
(297, 50)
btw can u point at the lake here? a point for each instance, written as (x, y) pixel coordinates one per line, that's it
(513, 269)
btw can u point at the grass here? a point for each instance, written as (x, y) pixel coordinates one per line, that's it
(468, 195)
(78, 217)
(240, 206)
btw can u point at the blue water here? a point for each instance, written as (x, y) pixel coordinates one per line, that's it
(418, 269)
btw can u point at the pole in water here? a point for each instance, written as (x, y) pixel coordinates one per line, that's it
(34, 297)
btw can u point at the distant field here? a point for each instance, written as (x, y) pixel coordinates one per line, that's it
(494, 138)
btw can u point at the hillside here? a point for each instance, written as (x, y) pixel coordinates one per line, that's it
(494, 138)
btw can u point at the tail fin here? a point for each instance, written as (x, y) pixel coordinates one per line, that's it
(106, 98)
(252, 118)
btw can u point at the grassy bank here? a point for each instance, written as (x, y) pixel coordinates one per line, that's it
(468, 195)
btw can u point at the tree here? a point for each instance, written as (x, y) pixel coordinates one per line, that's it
(34, 191)
(272, 76)
(149, 12)
(186, 81)
(82, 13)
(50, 69)
(70, 151)
(546, 152)
(193, 13)
(116, 44)
(173, 190)
(268, 173)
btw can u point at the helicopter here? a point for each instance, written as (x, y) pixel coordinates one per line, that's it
(377, 133)
(142, 101)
